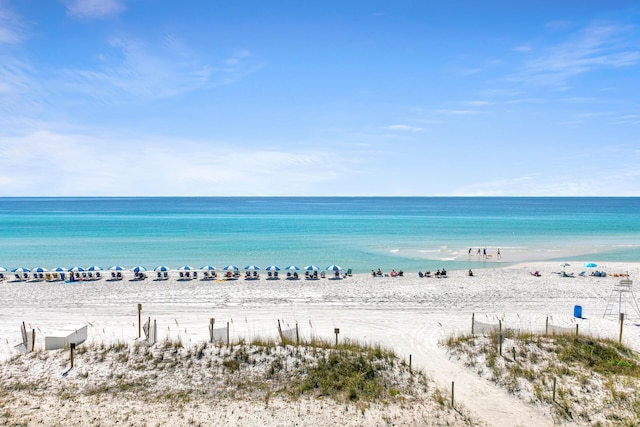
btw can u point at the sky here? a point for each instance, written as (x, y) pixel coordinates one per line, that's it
(319, 98)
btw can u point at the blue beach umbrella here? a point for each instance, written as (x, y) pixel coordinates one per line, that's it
(2, 269)
(185, 268)
(76, 269)
(292, 267)
(161, 268)
(20, 270)
(311, 268)
(59, 269)
(116, 268)
(252, 267)
(273, 268)
(39, 270)
(207, 267)
(231, 268)
(139, 269)
(591, 264)
(334, 267)
(95, 268)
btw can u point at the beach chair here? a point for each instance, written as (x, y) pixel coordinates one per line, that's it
(165, 275)
(1, 276)
(349, 273)
(269, 275)
(55, 277)
(113, 275)
(159, 275)
(275, 274)
(256, 275)
(323, 275)
(118, 276)
(181, 275)
(63, 276)
(98, 275)
(195, 275)
(90, 276)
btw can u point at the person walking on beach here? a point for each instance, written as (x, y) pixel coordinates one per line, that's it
(498, 254)
(484, 253)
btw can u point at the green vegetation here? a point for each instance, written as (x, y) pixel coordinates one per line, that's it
(597, 380)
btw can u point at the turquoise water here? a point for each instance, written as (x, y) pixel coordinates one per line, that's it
(360, 233)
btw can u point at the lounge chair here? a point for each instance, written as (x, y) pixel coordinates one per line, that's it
(165, 275)
(322, 275)
(195, 275)
(275, 275)
(98, 275)
(349, 273)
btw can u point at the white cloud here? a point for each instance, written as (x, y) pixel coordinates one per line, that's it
(404, 128)
(459, 112)
(90, 9)
(12, 28)
(596, 47)
(137, 69)
(79, 164)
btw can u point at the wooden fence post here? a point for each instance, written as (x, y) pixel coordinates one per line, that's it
(473, 321)
(453, 384)
(621, 323)
(139, 320)
(72, 347)
(500, 336)
(546, 326)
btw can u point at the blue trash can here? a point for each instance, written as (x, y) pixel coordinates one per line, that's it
(577, 311)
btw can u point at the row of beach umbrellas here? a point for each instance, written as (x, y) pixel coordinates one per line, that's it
(140, 269)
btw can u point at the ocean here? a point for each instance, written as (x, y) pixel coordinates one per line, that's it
(361, 233)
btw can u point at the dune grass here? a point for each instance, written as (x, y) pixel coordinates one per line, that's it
(596, 380)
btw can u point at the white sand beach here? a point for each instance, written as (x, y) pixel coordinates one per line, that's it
(409, 314)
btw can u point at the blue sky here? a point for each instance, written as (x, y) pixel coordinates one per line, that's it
(424, 98)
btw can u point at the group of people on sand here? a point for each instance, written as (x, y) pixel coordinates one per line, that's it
(394, 273)
(439, 273)
(484, 253)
